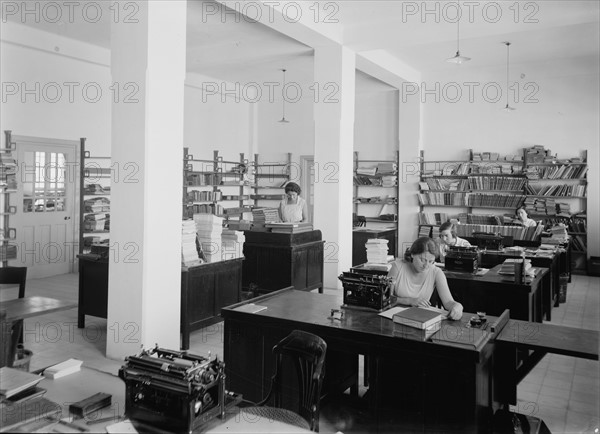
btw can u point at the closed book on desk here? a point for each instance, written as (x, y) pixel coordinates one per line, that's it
(16, 416)
(415, 334)
(417, 317)
(13, 381)
(459, 336)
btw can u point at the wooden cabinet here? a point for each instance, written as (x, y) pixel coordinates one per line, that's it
(275, 261)
(361, 235)
(205, 289)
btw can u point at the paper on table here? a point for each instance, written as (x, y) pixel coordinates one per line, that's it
(390, 312)
(250, 308)
(121, 427)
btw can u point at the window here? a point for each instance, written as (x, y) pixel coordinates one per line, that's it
(44, 182)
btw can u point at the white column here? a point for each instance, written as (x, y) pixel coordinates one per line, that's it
(148, 70)
(334, 144)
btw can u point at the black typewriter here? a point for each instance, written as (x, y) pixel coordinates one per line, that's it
(367, 288)
(175, 390)
(488, 241)
(461, 259)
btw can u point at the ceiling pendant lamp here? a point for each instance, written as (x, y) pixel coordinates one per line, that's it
(508, 108)
(458, 59)
(283, 119)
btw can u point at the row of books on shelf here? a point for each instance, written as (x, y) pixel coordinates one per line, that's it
(8, 251)
(96, 189)
(516, 232)
(381, 181)
(382, 168)
(558, 190)
(569, 171)
(204, 195)
(496, 183)
(444, 184)
(471, 199)
(495, 156)
(471, 168)
(433, 218)
(96, 205)
(377, 200)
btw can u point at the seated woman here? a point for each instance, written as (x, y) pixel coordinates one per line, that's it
(415, 279)
(523, 218)
(449, 238)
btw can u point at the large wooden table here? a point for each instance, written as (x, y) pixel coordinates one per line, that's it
(22, 308)
(494, 292)
(450, 385)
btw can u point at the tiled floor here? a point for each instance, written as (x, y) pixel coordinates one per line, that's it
(563, 391)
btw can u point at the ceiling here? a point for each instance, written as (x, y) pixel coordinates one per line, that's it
(235, 48)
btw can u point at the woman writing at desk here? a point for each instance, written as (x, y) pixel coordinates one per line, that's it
(415, 278)
(293, 209)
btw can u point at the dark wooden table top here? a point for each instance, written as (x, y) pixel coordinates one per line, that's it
(493, 276)
(314, 310)
(551, 338)
(27, 307)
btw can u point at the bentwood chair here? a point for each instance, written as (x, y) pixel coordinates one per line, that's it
(13, 276)
(306, 352)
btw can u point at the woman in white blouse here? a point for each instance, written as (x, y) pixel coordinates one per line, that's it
(293, 208)
(523, 218)
(449, 238)
(415, 279)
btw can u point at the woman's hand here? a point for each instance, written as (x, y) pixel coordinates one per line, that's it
(456, 311)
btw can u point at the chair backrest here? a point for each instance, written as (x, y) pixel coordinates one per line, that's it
(14, 275)
(307, 353)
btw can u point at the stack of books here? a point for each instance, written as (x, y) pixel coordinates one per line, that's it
(508, 266)
(260, 216)
(377, 251)
(232, 243)
(96, 205)
(416, 322)
(289, 228)
(209, 229)
(14, 381)
(460, 336)
(189, 252)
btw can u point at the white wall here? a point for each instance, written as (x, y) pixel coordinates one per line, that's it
(564, 119)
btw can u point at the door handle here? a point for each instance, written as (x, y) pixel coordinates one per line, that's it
(67, 218)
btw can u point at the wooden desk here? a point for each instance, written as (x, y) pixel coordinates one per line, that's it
(494, 292)
(465, 372)
(274, 261)
(490, 259)
(27, 307)
(537, 340)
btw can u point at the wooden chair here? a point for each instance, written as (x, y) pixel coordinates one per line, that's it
(18, 276)
(307, 353)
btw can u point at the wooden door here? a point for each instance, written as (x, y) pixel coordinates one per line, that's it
(45, 230)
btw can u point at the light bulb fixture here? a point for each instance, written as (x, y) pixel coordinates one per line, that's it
(283, 119)
(507, 108)
(458, 59)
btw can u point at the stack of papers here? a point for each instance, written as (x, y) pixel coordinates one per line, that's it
(62, 369)
(377, 251)
(508, 266)
(209, 228)
(232, 243)
(189, 253)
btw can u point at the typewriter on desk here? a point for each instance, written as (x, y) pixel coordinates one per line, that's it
(367, 288)
(488, 241)
(175, 390)
(461, 259)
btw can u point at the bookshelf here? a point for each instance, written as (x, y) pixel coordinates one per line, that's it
(212, 186)
(8, 187)
(553, 190)
(375, 189)
(94, 199)
(270, 179)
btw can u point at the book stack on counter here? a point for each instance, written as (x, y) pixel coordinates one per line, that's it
(232, 243)
(260, 216)
(289, 228)
(63, 369)
(189, 252)
(508, 266)
(377, 251)
(209, 229)
(416, 322)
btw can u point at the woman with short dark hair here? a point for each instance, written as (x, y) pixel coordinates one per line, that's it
(449, 238)
(293, 208)
(415, 279)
